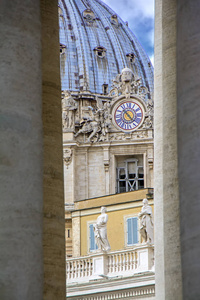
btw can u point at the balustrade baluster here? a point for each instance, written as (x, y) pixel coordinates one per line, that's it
(114, 268)
(126, 261)
(116, 263)
(90, 267)
(75, 275)
(83, 268)
(72, 269)
(87, 267)
(131, 260)
(109, 266)
(77, 269)
(110, 263)
(120, 262)
(123, 262)
(67, 270)
(113, 263)
(136, 260)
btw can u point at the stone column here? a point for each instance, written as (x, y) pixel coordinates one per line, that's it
(188, 99)
(54, 226)
(167, 226)
(158, 154)
(21, 203)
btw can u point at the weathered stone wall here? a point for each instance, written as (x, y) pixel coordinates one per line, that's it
(76, 237)
(54, 226)
(92, 172)
(158, 161)
(21, 255)
(188, 95)
(167, 226)
(32, 252)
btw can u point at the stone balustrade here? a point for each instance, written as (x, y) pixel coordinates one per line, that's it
(122, 261)
(113, 264)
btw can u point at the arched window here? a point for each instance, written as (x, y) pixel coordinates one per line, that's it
(100, 51)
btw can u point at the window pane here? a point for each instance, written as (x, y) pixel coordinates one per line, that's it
(122, 174)
(129, 232)
(93, 245)
(135, 230)
(122, 186)
(132, 231)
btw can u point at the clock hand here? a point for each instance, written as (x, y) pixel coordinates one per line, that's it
(128, 115)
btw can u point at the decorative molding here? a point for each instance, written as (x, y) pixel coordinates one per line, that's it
(67, 156)
(129, 294)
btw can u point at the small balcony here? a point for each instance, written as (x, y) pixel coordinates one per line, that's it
(116, 264)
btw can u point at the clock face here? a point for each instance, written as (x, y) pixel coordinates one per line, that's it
(128, 115)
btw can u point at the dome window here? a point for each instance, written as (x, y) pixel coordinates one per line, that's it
(88, 15)
(114, 20)
(100, 51)
(62, 48)
(105, 88)
(131, 57)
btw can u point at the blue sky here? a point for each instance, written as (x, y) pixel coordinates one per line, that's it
(140, 17)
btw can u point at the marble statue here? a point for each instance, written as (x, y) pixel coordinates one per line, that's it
(69, 108)
(146, 221)
(100, 231)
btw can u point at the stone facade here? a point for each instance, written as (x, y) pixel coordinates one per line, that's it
(97, 145)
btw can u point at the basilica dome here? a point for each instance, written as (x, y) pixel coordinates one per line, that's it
(95, 45)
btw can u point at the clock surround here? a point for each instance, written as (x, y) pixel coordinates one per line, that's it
(128, 114)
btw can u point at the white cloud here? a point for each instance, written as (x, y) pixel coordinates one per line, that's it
(131, 9)
(152, 59)
(150, 36)
(140, 17)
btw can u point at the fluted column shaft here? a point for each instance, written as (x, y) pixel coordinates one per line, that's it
(167, 212)
(32, 243)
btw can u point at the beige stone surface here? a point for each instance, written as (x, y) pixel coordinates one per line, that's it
(92, 170)
(54, 226)
(76, 237)
(158, 161)
(167, 230)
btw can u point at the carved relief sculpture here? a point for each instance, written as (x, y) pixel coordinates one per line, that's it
(69, 109)
(127, 109)
(67, 156)
(146, 222)
(100, 231)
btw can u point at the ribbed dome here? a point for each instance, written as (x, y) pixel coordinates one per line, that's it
(96, 45)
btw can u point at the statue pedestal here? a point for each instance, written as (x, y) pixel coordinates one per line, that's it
(145, 259)
(100, 265)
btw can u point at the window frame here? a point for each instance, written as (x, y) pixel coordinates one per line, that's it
(132, 216)
(129, 187)
(89, 238)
